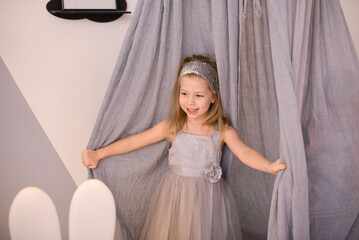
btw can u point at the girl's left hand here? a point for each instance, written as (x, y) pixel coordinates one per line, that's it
(276, 166)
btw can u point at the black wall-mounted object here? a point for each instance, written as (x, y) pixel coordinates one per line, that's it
(55, 8)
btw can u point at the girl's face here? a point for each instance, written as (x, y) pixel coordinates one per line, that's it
(195, 96)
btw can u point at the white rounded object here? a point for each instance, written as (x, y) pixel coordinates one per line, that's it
(92, 212)
(33, 216)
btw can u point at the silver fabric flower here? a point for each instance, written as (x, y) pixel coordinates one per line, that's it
(213, 173)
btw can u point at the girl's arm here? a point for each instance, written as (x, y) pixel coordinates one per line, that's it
(90, 158)
(249, 156)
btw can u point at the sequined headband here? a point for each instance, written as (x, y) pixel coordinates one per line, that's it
(204, 70)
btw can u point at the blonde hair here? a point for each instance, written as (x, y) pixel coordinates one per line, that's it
(215, 115)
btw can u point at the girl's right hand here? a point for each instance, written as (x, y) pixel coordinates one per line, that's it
(89, 158)
(275, 167)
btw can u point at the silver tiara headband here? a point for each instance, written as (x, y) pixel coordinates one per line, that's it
(204, 70)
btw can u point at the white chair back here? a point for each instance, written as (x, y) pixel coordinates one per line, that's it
(33, 216)
(92, 212)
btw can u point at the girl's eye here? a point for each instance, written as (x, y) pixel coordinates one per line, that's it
(183, 93)
(199, 95)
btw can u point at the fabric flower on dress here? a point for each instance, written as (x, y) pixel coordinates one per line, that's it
(213, 172)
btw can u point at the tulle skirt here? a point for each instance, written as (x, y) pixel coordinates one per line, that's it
(191, 208)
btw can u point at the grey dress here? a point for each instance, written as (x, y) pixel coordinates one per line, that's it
(192, 201)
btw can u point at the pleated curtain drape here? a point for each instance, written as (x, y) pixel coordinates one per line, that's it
(316, 73)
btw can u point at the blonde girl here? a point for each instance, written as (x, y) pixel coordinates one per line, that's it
(192, 200)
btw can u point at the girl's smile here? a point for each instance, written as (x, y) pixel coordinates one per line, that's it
(195, 96)
(192, 110)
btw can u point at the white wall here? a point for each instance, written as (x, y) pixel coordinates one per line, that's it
(351, 12)
(63, 68)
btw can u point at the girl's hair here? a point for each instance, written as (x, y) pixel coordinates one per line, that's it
(216, 116)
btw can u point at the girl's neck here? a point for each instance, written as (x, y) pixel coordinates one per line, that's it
(198, 128)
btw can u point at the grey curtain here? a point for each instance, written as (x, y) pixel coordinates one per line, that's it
(258, 124)
(289, 82)
(317, 83)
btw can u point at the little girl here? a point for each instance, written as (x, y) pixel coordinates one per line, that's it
(192, 201)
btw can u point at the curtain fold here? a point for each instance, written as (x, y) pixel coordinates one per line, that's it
(316, 71)
(258, 123)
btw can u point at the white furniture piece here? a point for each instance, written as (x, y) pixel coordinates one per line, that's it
(33, 216)
(92, 212)
(89, 4)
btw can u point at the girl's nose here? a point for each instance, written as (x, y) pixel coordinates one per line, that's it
(190, 100)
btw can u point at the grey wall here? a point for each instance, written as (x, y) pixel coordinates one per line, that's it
(27, 157)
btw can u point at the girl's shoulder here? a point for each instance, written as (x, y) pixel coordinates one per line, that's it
(226, 132)
(163, 125)
(160, 129)
(227, 129)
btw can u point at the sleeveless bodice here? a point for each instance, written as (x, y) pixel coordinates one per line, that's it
(194, 155)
